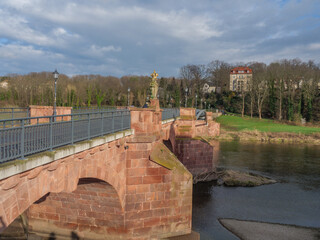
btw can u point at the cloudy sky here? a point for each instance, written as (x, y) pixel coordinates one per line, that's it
(123, 37)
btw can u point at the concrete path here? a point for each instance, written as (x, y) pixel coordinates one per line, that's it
(250, 230)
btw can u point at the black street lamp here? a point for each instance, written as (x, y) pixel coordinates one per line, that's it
(55, 76)
(186, 90)
(205, 105)
(128, 96)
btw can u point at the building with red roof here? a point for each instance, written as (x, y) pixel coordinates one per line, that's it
(240, 78)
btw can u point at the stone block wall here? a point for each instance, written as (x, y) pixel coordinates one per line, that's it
(196, 155)
(158, 200)
(91, 211)
(186, 124)
(146, 121)
(42, 111)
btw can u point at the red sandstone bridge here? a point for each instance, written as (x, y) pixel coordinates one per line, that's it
(115, 179)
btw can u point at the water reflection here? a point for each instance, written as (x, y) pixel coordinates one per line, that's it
(287, 163)
(294, 200)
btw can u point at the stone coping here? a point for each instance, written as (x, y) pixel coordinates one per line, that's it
(170, 120)
(11, 168)
(153, 109)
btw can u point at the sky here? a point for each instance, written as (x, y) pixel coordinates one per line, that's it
(135, 37)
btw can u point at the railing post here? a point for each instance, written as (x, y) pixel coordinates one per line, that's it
(28, 116)
(51, 133)
(22, 139)
(112, 122)
(72, 130)
(121, 120)
(101, 116)
(88, 126)
(12, 117)
(0, 144)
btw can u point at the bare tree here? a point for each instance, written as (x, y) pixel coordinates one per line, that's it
(219, 74)
(194, 77)
(259, 84)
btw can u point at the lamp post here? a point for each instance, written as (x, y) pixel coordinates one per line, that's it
(205, 105)
(55, 76)
(128, 96)
(186, 90)
(196, 100)
(201, 103)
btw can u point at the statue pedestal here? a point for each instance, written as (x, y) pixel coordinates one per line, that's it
(154, 103)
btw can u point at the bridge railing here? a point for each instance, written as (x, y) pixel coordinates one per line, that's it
(12, 113)
(93, 109)
(46, 134)
(168, 113)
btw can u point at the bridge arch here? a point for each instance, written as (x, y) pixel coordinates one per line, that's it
(105, 162)
(91, 211)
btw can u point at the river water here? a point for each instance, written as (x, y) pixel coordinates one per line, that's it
(295, 199)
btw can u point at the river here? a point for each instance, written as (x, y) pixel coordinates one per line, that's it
(295, 199)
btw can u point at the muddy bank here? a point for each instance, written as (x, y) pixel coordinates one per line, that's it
(272, 137)
(232, 178)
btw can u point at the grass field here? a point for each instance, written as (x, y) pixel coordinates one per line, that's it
(234, 123)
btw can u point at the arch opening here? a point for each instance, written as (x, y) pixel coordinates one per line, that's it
(92, 211)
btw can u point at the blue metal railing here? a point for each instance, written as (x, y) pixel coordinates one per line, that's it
(24, 139)
(12, 113)
(169, 113)
(93, 109)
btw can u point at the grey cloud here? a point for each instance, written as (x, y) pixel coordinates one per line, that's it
(135, 36)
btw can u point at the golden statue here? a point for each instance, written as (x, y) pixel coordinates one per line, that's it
(154, 85)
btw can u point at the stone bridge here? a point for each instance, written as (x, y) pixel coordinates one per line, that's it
(126, 185)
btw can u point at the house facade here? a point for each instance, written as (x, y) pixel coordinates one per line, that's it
(240, 78)
(208, 88)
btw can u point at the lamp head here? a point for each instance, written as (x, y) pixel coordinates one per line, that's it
(55, 74)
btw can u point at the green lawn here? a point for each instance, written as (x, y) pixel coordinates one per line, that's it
(241, 124)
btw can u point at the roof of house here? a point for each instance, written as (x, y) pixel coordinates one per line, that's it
(240, 70)
(210, 84)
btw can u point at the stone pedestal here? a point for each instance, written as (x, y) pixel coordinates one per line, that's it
(154, 103)
(187, 123)
(147, 121)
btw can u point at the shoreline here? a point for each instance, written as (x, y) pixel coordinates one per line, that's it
(249, 230)
(269, 137)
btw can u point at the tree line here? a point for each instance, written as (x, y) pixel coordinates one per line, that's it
(284, 90)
